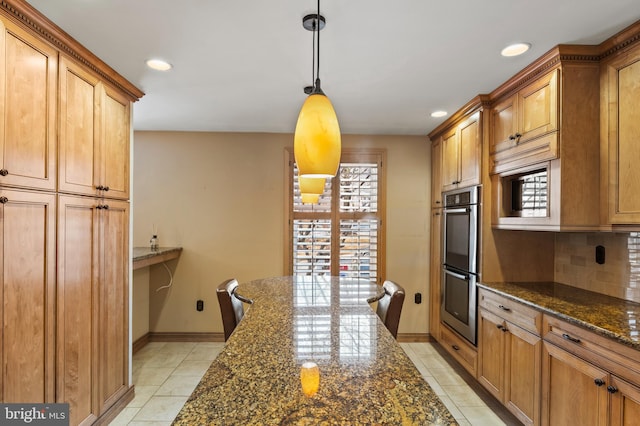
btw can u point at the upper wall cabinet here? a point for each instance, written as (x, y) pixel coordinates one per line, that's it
(621, 137)
(94, 135)
(525, 125)
(436, 174)
(544, 154)
(461, 147)
(28, 76)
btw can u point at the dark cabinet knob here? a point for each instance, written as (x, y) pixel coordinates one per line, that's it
(99, 187)
(4, 172)
(455, 347)
(511, 137)
(518, 135)
(4, 200)
(612, 389)
(598, 382)
(105, 188)
(499, 326)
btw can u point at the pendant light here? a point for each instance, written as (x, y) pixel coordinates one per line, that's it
(317, 143)
(311, 189)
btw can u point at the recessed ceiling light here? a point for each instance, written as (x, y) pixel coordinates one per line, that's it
(159, 64)
(515, 49)
(438, 114)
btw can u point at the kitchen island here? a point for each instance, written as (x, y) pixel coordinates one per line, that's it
(365, 376)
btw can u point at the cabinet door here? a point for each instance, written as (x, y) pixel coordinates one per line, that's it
(569, 393)
(491, 353)
(27, 297)
(28, 76)
(522, 374)
(470, 151)
(113, 302)
(114, 151)
(503, 122)
(450, 160)
(538, 107)
(77, 298)
(436, 174)
(435, 266)
(625, 403)
(79, 170)
(623, 182)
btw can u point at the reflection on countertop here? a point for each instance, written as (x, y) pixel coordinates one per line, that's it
(605, 315)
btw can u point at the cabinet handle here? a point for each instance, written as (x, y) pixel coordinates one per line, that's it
(438, 202)
(455, 347)
(565, 336)
(511, 137)
(518, 135)
(105, 188)
(4, 172)
(612, 389)
(504, 308)
(499, 326)
(598, 382)
(436, 214)
(4, 200)
(99, 187)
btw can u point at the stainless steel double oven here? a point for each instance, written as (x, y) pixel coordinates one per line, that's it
(461, 238)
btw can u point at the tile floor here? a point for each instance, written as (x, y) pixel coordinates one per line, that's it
(165, 374)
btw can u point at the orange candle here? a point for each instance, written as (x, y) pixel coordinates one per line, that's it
(310, 378)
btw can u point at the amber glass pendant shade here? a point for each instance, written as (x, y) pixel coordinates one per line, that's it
(309, 185)
(310, 198)
(317, 144)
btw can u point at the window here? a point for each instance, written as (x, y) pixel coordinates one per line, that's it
(344, 233)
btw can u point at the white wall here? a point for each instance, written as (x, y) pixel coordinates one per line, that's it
(221, 197)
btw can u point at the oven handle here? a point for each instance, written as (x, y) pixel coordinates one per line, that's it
(455, 274)
(460, 210)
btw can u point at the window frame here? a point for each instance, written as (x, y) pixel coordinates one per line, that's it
(349, 155)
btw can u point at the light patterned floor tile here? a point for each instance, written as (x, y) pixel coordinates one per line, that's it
(481, 416)
(125, 416)
(151, 376)
(192, 368)
(178, 385)
(463, 396)
(161, 408)
(142, 395)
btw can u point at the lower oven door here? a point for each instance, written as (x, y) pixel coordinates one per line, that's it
(459, 303)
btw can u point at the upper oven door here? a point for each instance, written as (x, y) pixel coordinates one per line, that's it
(461, 238)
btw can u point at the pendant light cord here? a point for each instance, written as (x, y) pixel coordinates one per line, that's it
(313, 50)
(319, 28)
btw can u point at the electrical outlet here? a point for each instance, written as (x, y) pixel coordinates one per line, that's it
(200, 305)
(418, 298)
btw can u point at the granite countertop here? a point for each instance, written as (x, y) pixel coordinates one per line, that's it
(365, 376)
(605, 315)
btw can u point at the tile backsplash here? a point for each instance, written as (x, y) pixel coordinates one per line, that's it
(619, 276)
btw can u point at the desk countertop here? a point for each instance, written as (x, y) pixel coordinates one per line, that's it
(365, 376)
(144, 256)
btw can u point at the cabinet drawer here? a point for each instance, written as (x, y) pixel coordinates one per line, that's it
(601, 351)
(460, 349)
(514, 312)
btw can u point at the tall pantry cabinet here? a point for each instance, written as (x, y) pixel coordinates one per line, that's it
(64, 220)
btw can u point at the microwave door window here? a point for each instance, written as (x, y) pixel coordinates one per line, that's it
(457, 241)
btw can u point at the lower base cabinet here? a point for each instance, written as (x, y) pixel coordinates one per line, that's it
(509, 366)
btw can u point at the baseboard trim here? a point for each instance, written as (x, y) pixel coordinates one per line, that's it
(414, 337)
(116, 408)
(175, 337)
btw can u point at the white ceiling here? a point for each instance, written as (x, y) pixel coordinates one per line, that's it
(241, 65)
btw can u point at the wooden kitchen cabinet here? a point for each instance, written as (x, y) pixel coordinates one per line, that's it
(570, 392)
(525, 125)
(461, 154)
(92, 364)
(94, 134)
(435, 273)
(620, 135)
(587, 378)
(28, 76)
(436, 174)
(459, 348)
(509, 354)
(27, 296)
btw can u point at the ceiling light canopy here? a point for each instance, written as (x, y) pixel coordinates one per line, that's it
(317, 142)
(515, 49)
(438, 114)
(159, 65)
